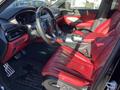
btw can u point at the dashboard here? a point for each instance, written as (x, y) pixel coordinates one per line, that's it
(14, 36)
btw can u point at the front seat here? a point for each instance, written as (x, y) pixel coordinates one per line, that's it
(71, 68)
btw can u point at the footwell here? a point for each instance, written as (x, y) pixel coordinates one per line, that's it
(28, 68)
(31, 79)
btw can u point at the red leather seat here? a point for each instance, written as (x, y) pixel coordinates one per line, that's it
(77, 70)
(63, 65)
(102, 30)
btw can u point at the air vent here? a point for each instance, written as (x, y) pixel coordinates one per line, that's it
(15, 33)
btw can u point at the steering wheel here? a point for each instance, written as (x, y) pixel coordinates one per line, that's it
(46, 25)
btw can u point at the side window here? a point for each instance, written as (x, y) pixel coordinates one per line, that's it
(85, 4)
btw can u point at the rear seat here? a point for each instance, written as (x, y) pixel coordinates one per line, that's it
(73, 68)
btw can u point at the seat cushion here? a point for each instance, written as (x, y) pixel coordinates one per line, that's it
(69, 66)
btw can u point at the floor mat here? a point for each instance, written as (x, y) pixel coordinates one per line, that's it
(28, 68)
(32, 79)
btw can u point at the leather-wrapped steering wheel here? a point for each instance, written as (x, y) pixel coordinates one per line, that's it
(46, 25)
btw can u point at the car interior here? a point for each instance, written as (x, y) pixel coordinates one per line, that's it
(58, 48)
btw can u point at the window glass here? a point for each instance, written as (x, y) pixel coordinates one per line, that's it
(85, 4)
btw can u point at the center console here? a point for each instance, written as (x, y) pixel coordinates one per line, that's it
(76, 42)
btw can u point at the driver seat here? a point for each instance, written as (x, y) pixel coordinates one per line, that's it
(74, 69)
